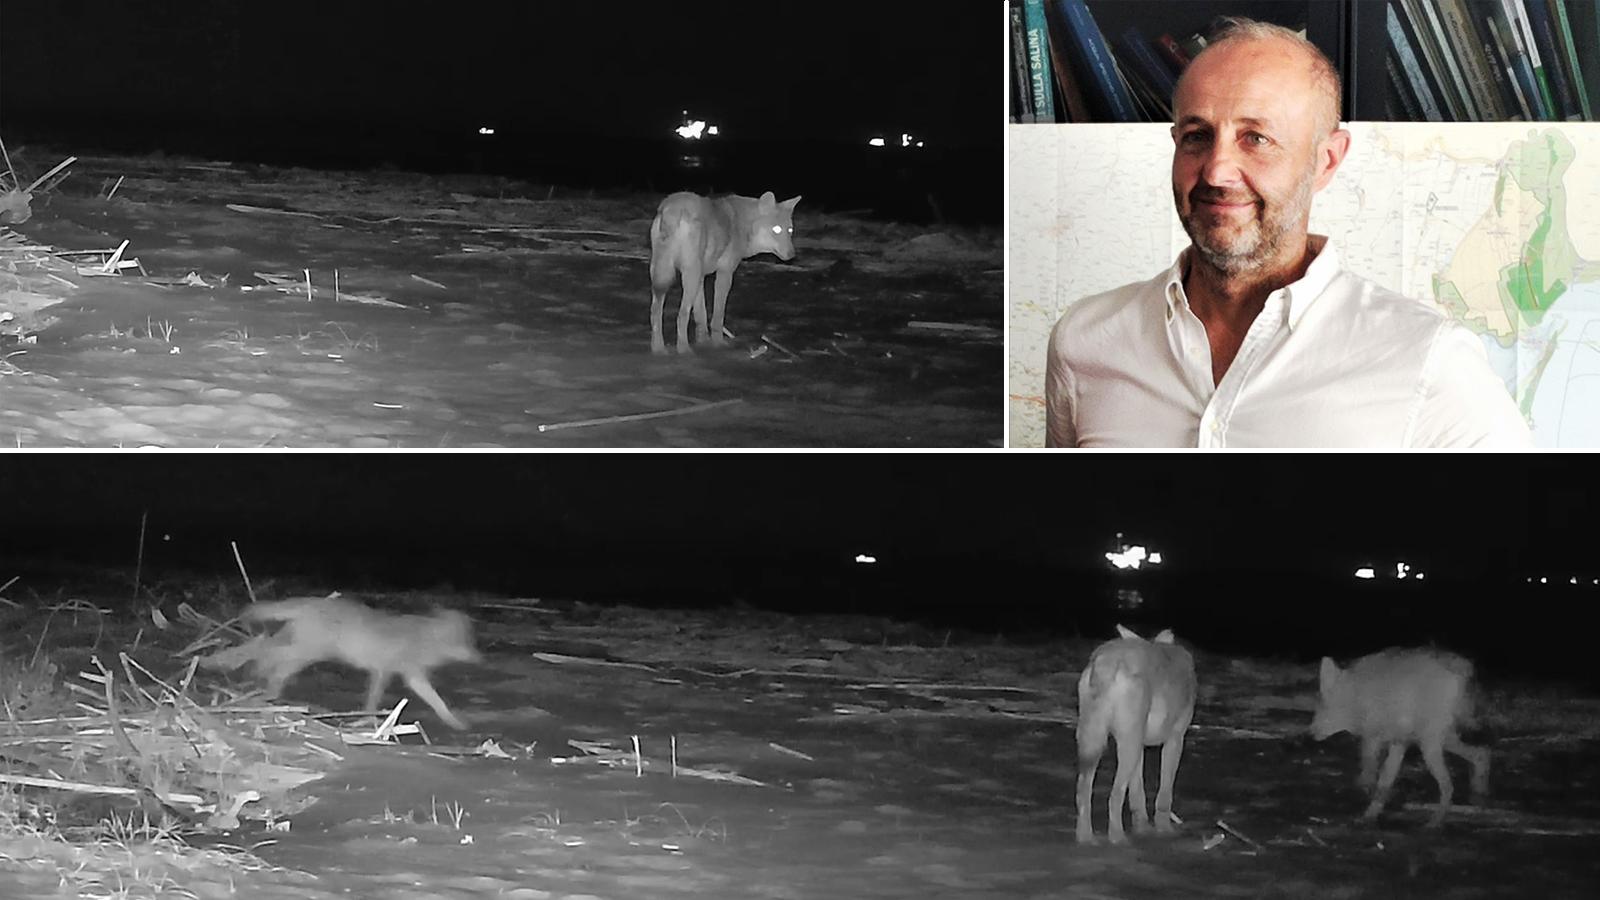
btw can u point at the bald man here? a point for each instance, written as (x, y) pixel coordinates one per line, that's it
(1257, 336)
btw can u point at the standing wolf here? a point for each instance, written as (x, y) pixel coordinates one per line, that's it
(698, 235)
(1396, 698)
(383, 643)
(1140, 693)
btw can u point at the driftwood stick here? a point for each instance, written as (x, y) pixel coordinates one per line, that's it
(247, 588)
(636, 417)
(41, 179)
(80, 787)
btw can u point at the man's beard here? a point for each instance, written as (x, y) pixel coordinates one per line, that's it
(1259, 240)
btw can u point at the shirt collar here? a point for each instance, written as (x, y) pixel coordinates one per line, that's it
(1319, 274)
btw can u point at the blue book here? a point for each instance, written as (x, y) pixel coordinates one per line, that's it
(1038, 32)
(1141, 56)
(1545, 36)
(1094, 59)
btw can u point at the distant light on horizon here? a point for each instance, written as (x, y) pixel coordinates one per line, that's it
(876, 142)
(1366, 572)
(864, 559)
(485, 130)
(1132, 557)
(693, 130)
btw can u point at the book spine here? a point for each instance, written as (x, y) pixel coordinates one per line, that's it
(1459, 81)
(1545, 37)
(1430, 54)
(1090, 47)
(1146, 64)
(1019, 64)
(1586, 44)
(1458, 25)
(1398, 88)
(1564, 29)
(1505, 64)
(1177, 60)
(1412, 68)
(1069, 89)
(1044, 106)
(1524, 30)
(1511, 35)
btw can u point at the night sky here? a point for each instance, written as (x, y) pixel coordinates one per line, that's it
(1460, 515)
(770, 70)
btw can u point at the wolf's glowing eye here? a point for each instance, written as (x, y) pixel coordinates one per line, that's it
(777, 229)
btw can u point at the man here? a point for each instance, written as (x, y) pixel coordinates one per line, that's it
(1257, 337)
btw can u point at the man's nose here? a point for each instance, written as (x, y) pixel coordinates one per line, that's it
(1221, 164)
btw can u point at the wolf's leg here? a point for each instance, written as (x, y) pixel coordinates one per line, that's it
(1391, 769)
(1171, 754)
(694, 295)
(376, 682)
(1368, 778)
(420, 685)
(1094, 725)
(1478, 758)
(1433, 758)
(719, 303)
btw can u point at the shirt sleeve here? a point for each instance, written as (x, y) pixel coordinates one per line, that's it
(1463, 402)
(1060, 428)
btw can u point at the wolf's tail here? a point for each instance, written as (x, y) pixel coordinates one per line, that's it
(279, 610)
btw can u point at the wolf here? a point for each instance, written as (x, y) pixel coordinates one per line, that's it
(1393, 699)
(698, 235)
(1140, 693)
(385, 644)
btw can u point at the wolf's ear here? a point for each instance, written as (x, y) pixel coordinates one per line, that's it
(1330, 671)
(789, 204)
(769, 202)
(1125, 633)
(1165, 637)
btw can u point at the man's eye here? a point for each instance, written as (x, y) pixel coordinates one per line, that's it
(1193, 137)
(1258, 139)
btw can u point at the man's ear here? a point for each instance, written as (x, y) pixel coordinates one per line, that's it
(1330, 153)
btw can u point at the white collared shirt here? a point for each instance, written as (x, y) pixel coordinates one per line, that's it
(1333, 360)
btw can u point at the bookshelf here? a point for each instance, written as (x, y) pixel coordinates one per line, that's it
(1493, 83)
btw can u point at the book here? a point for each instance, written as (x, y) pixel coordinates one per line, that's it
(1177, 60)
(1564, 34)
(1463, 36)
(1505, 22)
(1142, 62)
(1021, 90)
(1544, 35)
(1457, 81)
(1192, 45)
(1398, 102)
(1411, 69)
(1103, 86)
(1429, 47)
(1069, 91)
(1507, 64)
(1518, 14)
(1039, 77)
(1585, 18)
